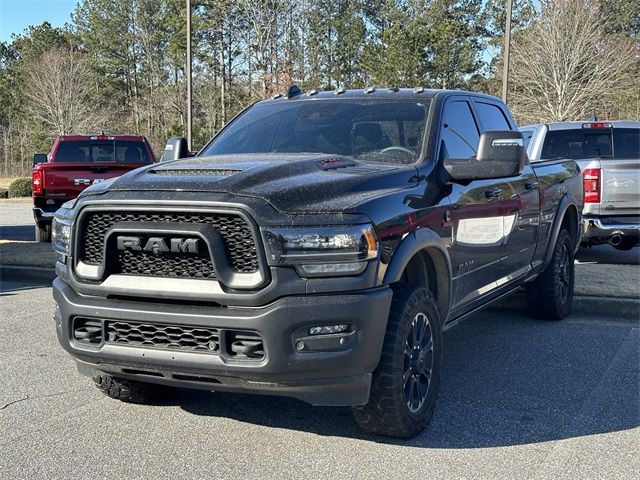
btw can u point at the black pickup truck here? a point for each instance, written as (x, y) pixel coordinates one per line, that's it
(316, 248)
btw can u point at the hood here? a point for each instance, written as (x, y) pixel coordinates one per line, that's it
(300, 183)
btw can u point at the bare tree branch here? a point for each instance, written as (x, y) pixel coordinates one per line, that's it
(565, 67)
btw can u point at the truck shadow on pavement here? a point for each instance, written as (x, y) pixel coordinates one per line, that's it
(508, 380)
(17, 232)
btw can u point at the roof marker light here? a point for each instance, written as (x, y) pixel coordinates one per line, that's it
(597, 125)
(369, 89)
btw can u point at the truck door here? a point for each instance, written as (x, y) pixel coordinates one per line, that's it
(476, 213)
(523, 199)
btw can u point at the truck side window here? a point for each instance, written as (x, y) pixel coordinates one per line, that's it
(491, 117)
(459, 132)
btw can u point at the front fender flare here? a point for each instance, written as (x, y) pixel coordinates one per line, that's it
(421, 240)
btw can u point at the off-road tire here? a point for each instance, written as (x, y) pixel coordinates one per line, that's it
(550, 295)
(387, 412)
(43, 234)
(127, 390)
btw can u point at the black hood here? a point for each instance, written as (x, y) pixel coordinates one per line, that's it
(300, 183)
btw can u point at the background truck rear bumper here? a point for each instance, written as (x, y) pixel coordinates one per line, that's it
(42, 217)
(337, 375)
(596, 231)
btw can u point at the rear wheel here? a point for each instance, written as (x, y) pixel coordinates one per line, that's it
(550, 295)
(405, 384)
(43, 233)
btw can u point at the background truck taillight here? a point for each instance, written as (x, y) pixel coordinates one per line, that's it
(36, 181)
(591, 178)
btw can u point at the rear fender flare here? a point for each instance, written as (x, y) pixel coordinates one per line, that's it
(563, 207)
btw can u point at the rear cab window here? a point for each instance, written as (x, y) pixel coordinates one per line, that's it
(102, 151)
(581, 143)
(626, 142)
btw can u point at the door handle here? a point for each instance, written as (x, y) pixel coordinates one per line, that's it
(493, 193)
(531, 185)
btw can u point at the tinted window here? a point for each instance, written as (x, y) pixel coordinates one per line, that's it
(381, 131)
(626, 142)
(576, 144)
(459, 133)
(491, 117)
(114, 151)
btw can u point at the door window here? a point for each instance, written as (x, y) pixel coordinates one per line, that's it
(491, 117)
(459, 133)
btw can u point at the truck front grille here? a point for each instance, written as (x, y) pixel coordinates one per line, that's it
(236, 233)
(173, 337)
(232, 344)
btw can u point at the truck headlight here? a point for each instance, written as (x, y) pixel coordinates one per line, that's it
(322, 251)
(61, 237)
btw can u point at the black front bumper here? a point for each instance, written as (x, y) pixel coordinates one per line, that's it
(336, 375)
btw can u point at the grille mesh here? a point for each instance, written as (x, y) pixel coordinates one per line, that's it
(194, 339)
(234, 230)
(174, 265)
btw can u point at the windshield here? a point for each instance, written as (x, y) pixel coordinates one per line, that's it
(108, 151)
(388, 131)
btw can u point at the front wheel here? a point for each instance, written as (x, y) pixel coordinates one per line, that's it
(43, 233)
(550, 295)
(129, 391)
(405, 383)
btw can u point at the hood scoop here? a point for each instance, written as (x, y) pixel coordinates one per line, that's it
(191, 172)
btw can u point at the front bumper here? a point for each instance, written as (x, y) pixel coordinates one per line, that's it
(340, 375)
(596, 231)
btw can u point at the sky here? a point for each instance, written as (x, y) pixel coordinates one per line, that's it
(16, 15)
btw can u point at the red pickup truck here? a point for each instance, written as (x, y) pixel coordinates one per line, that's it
(74, 163)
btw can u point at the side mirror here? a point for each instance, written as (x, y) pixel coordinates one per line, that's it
(501, 154)
(39, 158)
(176, 148)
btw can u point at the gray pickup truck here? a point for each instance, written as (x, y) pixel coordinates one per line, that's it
(608, 154)
(315, 248)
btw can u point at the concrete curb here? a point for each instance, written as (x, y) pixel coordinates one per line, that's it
(26, 273)
(586, 305)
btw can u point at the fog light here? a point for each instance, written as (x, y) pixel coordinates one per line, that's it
(328, 329)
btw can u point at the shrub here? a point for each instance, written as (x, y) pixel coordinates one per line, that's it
(20, 187)
(4, 193)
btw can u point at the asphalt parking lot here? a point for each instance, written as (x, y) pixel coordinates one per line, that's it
(520, 399)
